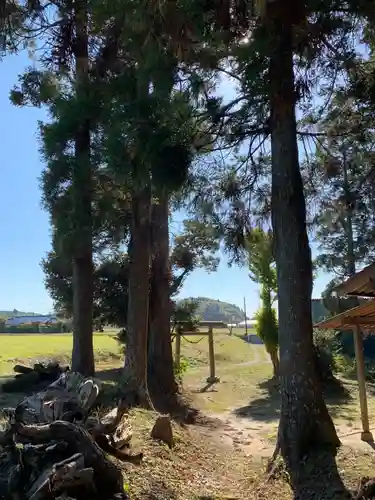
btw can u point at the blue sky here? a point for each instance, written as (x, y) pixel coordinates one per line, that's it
(25, 226)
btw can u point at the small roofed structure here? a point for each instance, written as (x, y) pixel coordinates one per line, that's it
(361, 284)
(358, 319)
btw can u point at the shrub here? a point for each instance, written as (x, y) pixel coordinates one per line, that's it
(179, 371)
(327, 349)
(121, 338)
(267, 329)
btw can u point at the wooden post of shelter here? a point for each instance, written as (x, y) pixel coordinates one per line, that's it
(361, 285)
(356, 319)
(366, 435)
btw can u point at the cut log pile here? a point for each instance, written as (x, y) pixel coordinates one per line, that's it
(52, 447)
(33, 378)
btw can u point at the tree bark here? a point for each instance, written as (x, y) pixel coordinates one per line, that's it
(83, 353)
(161, 378)
(305, 424)
(348, 220)
(135, 369)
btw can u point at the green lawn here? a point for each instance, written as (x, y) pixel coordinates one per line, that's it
(29, 347)
(228, 349)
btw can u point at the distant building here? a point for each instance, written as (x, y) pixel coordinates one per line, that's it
(248, 322)
(32, 320)
(318, 311)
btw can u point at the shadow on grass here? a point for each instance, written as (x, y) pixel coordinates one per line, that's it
(180, 408)
(266, 408)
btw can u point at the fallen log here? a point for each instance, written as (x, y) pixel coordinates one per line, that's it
(21, 369)
(53, 448)
(27, 379)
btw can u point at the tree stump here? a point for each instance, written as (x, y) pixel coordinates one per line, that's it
(162, 430)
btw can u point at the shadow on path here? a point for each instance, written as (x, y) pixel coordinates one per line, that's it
(266, 408)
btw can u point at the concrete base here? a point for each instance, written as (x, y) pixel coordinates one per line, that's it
(367, 437)
(213, 380)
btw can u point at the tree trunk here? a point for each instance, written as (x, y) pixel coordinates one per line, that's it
(305, 424)
(135, 370)
(348, 220)
(275, 361)
(83, 353)
(161, 378)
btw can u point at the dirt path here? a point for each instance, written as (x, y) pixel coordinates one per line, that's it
(241, 434)
(258, 358)
(258, 351)
(254, 437)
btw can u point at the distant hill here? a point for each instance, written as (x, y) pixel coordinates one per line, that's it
(15, 313)
(215, 310)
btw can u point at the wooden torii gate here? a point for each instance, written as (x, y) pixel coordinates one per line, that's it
(358, 319)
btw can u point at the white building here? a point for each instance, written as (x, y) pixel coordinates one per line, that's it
(32, 320)
(249, 322)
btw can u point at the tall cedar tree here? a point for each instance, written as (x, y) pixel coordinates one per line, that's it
(280, 45)
(82, 188)
(70, 71)
(339, 189)
(161, 380)
(306, 428)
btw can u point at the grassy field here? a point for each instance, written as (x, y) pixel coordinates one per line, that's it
(28, 348)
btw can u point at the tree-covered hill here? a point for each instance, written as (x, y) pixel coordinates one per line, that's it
(215, 310)
(15, 312)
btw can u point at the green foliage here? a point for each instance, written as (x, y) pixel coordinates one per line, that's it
(110, 287)
(215, 310)
(196, 246)
(261, 260)
(184, 315)
(327, 347)
(343, 217)
(182, 369)
(22, 329)
(262, 270)
(267, 327)
(121, 338)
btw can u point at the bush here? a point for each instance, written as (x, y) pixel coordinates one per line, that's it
(326, 348)
(345, 365)
(121, 338)
(22, 329)
(179, 372)
(267, 327)
(56, 328)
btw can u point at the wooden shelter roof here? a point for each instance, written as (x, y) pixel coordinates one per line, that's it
(360, 285)
(363, 315)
